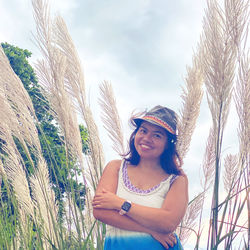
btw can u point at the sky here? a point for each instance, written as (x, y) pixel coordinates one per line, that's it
(142, 47)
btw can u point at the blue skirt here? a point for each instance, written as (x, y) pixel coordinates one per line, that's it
(145, 242)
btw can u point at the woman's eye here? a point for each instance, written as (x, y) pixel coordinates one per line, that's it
(142, 131)
(157, 136)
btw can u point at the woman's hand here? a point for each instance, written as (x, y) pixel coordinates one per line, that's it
(167, 240)
(107, 200)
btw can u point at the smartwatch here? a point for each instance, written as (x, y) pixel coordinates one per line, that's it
(125, 207)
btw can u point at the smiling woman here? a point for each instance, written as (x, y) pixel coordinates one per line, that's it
(143, 197)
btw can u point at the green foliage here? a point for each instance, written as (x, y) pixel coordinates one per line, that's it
(8, 218)
(84, 136)
(62, 169)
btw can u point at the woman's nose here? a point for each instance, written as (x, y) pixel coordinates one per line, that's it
(147, 137)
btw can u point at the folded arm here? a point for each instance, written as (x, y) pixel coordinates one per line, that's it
(109, 181)
(162, 220)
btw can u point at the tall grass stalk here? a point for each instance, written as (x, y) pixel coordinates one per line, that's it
(18, 113)
(242, 97)
(61, 74)
(191, 99)
(222, 33)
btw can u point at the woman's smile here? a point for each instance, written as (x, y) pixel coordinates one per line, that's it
(145, 146)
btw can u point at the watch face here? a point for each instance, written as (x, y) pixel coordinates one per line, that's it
(126, 206)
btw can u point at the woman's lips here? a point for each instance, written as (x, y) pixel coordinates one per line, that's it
(145, 147)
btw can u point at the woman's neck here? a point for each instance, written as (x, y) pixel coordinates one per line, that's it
(149, 163)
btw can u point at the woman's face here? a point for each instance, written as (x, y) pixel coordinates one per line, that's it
(150, 140)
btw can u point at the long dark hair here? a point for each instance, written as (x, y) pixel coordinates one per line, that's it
(168, 159)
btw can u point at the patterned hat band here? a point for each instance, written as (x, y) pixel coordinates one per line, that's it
(159, 122)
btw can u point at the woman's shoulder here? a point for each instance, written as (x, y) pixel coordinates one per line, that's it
(179, 180)
(114, 165)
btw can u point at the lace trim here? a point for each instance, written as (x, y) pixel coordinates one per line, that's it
(132, 188)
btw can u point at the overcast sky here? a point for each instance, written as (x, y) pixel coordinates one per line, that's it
(141, 46)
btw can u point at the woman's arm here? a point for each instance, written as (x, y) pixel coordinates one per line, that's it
(168, 217)
(109, 181)
(162, 220)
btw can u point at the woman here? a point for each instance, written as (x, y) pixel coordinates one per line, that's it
(144, 197)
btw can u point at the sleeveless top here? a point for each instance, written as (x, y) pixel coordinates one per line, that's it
(120, 239)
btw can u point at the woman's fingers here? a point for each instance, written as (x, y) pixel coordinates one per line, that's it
(171, 240)
(167, 240)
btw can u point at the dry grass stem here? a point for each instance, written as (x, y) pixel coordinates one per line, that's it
(110, 117)
(2, 174)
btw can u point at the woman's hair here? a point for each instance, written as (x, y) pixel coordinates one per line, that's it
(168, 159)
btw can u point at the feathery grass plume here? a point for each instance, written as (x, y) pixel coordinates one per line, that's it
(13, 167)
(242, 101)
(208, 161)
(13, 163)
(51, 73)
(189, 221)
(52, 81)
(41, 14)
(191, 98)
(110, 117)
(74, 80)
(230, 171)
(17, 177)
(44, 198)
(237, 17)
(219, 67)
(20, 103)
